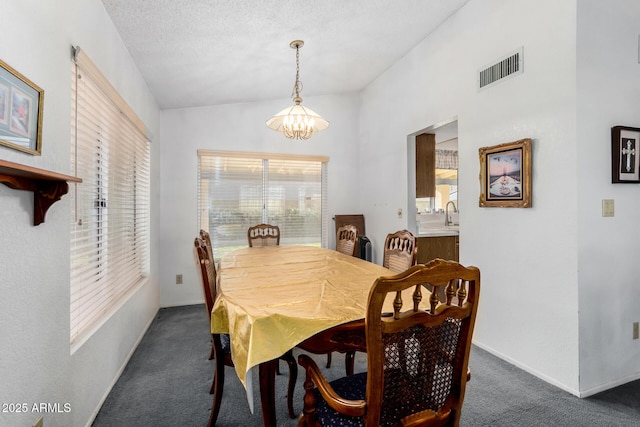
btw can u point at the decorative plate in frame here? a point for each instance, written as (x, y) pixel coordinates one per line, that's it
(505, 175)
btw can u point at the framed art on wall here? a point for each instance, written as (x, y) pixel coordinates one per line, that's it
(625, 162)
(505, 175)
(21, 103)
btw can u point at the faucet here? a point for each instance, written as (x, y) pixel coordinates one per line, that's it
(447, 218)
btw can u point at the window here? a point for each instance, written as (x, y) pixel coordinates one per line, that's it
(110, 208)
(446, 183)
(238, 190)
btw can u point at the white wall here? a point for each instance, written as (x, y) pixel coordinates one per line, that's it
(608, 95)
(528, 257)
(241, 127)
(34, 268)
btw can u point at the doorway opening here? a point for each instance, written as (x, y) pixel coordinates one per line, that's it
(441, 207)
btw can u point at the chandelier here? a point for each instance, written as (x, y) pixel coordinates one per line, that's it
(297, 121)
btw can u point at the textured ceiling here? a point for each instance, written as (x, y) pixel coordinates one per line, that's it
(207, 52)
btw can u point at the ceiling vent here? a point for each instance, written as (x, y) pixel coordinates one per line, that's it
(508, 66)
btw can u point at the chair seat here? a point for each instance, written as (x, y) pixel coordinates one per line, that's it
(225, 341)
(352, 387)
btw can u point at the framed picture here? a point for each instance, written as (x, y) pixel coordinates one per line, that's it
(505, 175)
(21, 103)
(625, 162)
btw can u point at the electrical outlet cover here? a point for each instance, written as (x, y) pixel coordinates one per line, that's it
(608, 207)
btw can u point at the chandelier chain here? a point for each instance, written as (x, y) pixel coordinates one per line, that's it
(297, 86)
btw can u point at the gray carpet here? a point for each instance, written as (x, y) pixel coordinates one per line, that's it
(166, 383)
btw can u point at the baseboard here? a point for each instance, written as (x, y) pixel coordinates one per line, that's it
(119, 373)
(604, 387)
(528, 369)
(183, 304)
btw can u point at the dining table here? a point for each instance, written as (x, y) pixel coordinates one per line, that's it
(274, 298)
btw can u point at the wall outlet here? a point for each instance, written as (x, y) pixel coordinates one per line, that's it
(39, 422)
(636, 331)
(178, 279)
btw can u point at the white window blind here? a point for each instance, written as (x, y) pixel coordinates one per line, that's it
(238, 190)
(110, 208)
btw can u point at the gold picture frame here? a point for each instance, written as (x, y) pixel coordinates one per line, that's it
(21, 103)
(505, 175)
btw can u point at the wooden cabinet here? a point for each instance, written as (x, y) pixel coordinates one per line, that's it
(425, 165)
(445, 247)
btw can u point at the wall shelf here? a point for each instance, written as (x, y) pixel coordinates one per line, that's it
(48, 187)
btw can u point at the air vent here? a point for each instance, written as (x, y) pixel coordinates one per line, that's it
(509, 66)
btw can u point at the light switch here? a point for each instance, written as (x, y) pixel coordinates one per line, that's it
(607, 207)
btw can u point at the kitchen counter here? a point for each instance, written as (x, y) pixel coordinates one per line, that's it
(452, 230)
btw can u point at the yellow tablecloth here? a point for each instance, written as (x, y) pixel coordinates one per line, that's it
(272, 298)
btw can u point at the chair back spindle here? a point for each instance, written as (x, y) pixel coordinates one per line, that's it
(400, 251)
(347, 240)
(263, 235)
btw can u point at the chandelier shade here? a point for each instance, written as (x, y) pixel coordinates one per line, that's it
(297, 121)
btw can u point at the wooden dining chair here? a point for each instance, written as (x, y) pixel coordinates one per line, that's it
(206, 239)
(400, 251)
(347, 240)
(346, 243)
(221, 343)
(263, 235)
(417, 358)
